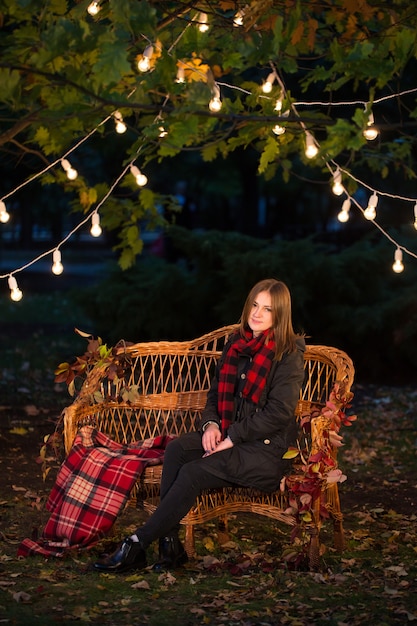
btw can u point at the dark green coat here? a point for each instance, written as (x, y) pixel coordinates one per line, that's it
(260, 433)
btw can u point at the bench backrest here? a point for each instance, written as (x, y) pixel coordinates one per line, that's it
(164, 387)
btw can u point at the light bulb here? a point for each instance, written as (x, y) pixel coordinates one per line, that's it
(311, 148)
(15, 293)
(343, 217)
(238, 18)
(70, 171)
(93, 8)
(215, 104)
(278, 105)
(4, 215)
(370, 211)
(278, 130)
(120, 125)
(337, 187)
(57, 267)
(415, 216)
(95, 229)
(121, 128)
(370, 132)
(203, 23)
(344, 213)
(162, 132)
(144, 63)
(180, 75)
(398, 266)
(140, 178)
(267, 86)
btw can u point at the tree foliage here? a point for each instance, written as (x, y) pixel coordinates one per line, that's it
(64, 73)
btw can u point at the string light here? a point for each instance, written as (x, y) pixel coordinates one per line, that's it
(144, 62)
(93, 8)
(120, 125)
(140, 178)
(313, 150)
(57, 267)
(311, 147)
(337, 187)
(70, 171)
(15, 293)
(370, 211)
(4, 215)
(215, 103)
(95, 229)
(398, 265)
(370, 132)
(203, 23)
(162, 132)
(343, 216)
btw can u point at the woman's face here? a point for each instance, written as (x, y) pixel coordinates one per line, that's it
(260, 314)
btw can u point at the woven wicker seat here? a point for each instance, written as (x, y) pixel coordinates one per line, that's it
(163, 392)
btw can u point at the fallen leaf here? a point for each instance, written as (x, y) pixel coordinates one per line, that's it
(142, 584)
(208, 543)
(31, 409)
(398, 569)
(21, 596)
(167, 578)
(18, 430)
(210, 561)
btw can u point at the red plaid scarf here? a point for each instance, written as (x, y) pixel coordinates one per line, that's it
(262, 353)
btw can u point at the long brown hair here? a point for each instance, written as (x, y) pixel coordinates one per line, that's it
(282, 328)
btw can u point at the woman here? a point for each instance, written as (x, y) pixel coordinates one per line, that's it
(247, 425)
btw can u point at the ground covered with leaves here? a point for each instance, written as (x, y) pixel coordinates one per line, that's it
(238, 578)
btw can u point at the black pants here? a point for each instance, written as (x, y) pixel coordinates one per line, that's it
(185, 474)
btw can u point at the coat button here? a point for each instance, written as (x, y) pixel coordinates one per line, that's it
(267, 441)
(243, 376)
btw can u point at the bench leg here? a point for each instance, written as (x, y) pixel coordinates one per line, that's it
(190, 541)
(339, 535)
(314, 546)
(333, 504)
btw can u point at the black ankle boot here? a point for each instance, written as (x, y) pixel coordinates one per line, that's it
(171, 554)
(129, 555)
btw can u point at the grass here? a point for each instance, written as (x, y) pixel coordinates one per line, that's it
(238, 579)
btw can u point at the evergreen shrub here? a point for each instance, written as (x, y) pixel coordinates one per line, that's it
(349, 298)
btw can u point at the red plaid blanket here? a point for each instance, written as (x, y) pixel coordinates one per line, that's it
(91, 488)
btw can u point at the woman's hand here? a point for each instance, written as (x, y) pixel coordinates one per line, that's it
(211, 440)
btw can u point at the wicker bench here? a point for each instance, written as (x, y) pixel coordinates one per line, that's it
(163, 390)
